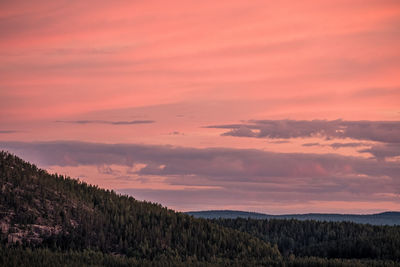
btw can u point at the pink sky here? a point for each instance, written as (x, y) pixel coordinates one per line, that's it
(160, 73)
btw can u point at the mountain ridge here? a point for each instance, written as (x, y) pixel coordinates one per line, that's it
(382, 218)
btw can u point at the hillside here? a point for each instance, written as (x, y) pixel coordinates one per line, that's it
(40, 210)
(385, 218)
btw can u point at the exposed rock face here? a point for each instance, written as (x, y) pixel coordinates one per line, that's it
(32, 233)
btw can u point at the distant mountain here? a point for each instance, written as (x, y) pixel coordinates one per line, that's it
(384, 218)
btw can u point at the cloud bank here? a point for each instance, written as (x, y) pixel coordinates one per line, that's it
(217, 163)
(379, 131)
(254, 175)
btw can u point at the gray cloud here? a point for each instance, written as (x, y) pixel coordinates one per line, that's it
(380, 131)
(107, 122)
(340, 145)
(336, 145)
(312, 144)
(383, 151)
(7, 131)
(107, 170)
(239, 131)
(279, 142)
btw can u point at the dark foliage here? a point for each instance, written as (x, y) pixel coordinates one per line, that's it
(18, 256)
(323, 239)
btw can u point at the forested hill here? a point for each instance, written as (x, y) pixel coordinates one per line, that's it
(40, 210)
(385, 218)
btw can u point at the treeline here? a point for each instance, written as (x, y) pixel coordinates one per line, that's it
(323, 239)
(39, 257)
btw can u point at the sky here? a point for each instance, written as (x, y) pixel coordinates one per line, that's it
(268, 106)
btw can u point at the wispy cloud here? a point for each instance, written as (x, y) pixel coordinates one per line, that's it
(107, 122)
(312, 144)
(336, 145)
(341, 145)
(8, 131)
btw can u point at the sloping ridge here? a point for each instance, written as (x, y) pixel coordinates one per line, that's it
(38, 209)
